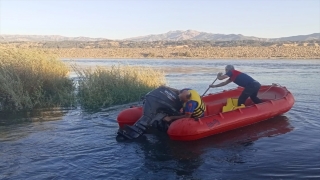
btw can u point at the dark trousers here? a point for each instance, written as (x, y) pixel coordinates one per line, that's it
(251, 90)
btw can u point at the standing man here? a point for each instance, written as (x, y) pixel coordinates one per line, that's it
(251, 86)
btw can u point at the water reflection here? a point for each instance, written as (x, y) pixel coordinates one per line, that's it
(52, 114)
(14, 126)
(161, 153)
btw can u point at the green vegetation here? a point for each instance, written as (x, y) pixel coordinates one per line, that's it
(101, 87)
(33, 79)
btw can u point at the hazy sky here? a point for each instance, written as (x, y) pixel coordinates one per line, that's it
(118, 19)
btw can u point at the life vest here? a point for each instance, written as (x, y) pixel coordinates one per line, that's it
(199, 110)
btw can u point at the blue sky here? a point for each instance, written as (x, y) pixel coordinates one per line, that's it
(118, 19)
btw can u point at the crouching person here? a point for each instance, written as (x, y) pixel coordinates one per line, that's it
(193, 106)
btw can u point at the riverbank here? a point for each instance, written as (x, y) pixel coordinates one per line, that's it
(229, 50)
(194, 53)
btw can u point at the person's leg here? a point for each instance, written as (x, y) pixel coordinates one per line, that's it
(253, 96)
(243, 97)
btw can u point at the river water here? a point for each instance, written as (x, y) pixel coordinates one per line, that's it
(73, 144)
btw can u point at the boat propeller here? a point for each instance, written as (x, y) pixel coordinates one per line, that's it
(136, 130)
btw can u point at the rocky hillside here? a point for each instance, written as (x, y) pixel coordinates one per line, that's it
(203, 36)
(156, 44)
(190, 35)
(44, 38)
(193, 35)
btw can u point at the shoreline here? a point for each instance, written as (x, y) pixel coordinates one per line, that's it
(192, 58)
(241, 53)
(205, 53)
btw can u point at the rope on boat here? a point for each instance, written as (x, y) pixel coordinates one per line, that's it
(273, 85)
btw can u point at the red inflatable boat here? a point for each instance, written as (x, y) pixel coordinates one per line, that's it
(222, 114)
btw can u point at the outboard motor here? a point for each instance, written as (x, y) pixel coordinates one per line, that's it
(158, 104)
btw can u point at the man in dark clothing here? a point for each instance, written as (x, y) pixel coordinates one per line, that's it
(251, 86)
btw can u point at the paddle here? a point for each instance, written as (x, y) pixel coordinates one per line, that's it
(209, 87)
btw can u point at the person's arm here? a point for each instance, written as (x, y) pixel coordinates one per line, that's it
(188, 110)
(221, 84)
(222, 77)
(172, 118)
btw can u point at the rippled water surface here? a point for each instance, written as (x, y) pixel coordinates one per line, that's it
(72, 144)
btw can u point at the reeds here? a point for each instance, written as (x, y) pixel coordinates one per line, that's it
(32, 79)
(104, 87)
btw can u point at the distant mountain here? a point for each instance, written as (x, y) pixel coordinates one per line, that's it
(40, 38)
(314, 36)
(169, 36)
(193, 35)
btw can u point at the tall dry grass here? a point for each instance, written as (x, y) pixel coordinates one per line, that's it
(33, 79)
(104, 87)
